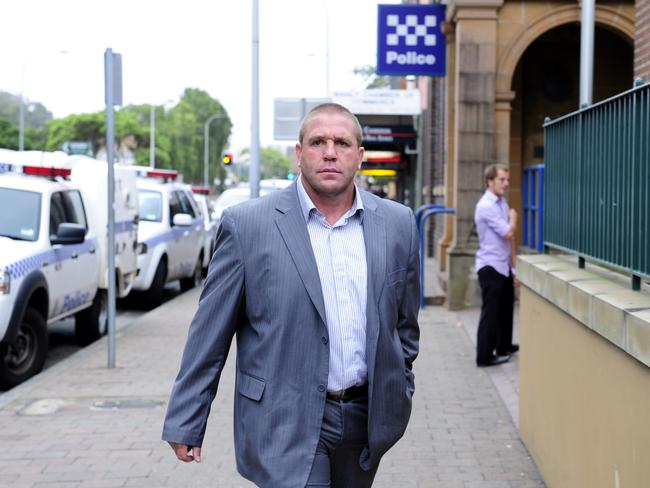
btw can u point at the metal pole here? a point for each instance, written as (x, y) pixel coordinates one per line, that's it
(327, 50)
(254, 175)
(206, 145)
(587, 27)
(21, 123)
(108, 85)
(152, 137)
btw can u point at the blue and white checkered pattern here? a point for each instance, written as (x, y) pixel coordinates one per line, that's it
(51, 256)
(411, 30)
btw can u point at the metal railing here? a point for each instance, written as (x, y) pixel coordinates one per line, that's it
(422, 214)
(597, 195)
(533, 208)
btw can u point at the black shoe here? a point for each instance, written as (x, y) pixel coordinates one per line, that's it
(493, 361)
(511, 349)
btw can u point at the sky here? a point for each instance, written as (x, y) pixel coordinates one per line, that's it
(53, 51)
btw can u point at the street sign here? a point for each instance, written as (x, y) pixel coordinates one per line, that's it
(380, 102)
(288, 114)
(410, 40)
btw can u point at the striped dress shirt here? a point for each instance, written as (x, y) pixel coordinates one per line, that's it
(340, 254)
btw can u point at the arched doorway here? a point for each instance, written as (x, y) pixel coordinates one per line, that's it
(546, 83)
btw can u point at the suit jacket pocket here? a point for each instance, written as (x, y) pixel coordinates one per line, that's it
(396, 280)
(250, 387)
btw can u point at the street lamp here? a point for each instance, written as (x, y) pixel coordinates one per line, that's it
(206, 144)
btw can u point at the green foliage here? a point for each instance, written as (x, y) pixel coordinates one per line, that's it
(36, 115)
(179, 136)
(273, 163)
(179, 131)
(8, 134)
(92, 128)
(373, 80)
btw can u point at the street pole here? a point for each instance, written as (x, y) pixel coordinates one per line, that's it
(113, 93)
(254, 175)
(587, 26)
(21, 123)
(152, 137)
(206, 145)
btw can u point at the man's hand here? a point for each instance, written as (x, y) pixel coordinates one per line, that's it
(182, 452)
(512, 215)
(515, 282)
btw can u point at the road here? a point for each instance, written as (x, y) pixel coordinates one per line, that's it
(61, 334)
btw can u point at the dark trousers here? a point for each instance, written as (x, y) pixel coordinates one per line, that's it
(344, 434)
(495, 324)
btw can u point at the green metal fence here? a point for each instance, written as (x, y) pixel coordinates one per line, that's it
(597, 194)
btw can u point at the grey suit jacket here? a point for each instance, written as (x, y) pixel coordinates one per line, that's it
(263, 287)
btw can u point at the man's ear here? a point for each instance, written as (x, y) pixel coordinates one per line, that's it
(362, 153)
(298, 153)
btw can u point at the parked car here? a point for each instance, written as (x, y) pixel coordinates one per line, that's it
(210, 223)
(241, 193)
(49, 266)
(170, 234)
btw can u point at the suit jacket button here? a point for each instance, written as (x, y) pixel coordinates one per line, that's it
(321, 388)
(323, 340)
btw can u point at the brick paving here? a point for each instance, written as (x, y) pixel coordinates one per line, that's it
(61, 429)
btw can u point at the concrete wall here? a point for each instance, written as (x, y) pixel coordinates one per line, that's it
(584, 375)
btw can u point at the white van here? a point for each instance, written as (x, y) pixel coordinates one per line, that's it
(91, 177)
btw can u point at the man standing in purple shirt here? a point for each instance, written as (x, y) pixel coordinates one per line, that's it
(496, 225)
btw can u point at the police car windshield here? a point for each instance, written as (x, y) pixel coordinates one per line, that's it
(20, 214)
(150, 203)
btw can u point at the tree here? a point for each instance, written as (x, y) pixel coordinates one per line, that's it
(8, 134)
(370, 76)
(36, 115)
(92, 128)
(180, 134)
(273, 163)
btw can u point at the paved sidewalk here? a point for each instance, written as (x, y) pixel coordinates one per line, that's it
(81, 425)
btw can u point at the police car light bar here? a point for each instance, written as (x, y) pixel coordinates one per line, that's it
(162, 173)
(46, 171)
(201, 190)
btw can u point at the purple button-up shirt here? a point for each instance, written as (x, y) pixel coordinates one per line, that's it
(491, 217)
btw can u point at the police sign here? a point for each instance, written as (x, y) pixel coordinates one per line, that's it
(410, 40)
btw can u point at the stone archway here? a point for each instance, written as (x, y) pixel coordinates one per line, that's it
(510, 138)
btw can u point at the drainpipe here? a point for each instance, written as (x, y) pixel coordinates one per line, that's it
(587, 26)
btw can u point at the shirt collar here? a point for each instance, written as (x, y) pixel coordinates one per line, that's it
(307, 205)
(492, 197)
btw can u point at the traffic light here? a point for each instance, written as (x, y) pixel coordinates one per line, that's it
(227, 159)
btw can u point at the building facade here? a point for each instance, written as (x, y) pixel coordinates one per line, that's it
(511, 64)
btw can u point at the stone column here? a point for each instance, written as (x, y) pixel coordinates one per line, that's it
(474, 134)
(503, 141)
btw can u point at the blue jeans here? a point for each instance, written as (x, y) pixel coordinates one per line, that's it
(343, 435)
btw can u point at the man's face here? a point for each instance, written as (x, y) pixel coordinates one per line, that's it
(329, 155)
(499, 185)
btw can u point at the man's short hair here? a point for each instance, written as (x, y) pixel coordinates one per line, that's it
(492, 171)
(331, 108)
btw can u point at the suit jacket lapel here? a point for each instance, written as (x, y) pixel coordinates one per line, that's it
(293, 229)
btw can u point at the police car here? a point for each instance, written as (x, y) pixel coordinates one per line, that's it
(48, 267)
(210, 223)
(170, 234)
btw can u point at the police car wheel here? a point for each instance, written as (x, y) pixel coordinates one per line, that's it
(157, 288)
(91, 323)
(195, 279)
(25, 356)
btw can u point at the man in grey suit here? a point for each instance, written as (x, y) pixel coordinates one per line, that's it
(319, 283)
